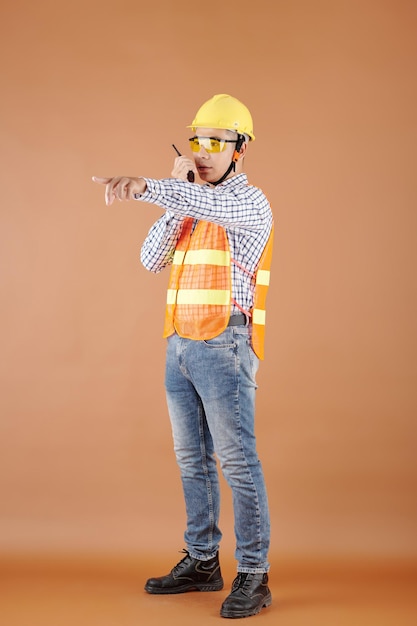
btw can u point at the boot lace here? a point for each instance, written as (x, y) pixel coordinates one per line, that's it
(243, 581)
(182, 564)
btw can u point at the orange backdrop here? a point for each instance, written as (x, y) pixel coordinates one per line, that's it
(104, 88)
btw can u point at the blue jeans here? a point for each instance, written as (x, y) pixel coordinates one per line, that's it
(210, 388)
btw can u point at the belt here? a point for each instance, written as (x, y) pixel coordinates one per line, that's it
(238, 320)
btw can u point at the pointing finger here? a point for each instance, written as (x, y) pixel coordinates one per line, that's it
(101, 181)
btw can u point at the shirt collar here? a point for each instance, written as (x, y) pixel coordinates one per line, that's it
(233, 181)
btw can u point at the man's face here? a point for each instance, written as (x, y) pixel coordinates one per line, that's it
(212, 166)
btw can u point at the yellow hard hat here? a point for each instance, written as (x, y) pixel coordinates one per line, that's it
(224, 111)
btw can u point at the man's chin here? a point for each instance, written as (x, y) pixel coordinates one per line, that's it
(205, 174)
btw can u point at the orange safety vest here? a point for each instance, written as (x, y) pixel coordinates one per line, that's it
(200, 285)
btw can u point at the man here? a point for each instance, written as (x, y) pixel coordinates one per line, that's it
(217, 238)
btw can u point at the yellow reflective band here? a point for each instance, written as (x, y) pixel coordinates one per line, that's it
(171, 296)
(207, 257)
(258, 317)
(178, 257)
(203, 296)
(262, 277)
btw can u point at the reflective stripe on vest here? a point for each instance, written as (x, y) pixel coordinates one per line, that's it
(258, 316)
(198, 296)
(200, 257)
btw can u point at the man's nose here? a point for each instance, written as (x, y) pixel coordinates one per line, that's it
(203, 152)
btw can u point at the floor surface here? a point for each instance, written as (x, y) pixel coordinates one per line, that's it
(104, 593)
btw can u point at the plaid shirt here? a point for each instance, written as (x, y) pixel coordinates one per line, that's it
(241, 209)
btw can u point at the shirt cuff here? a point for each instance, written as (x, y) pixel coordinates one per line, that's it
(152, 192)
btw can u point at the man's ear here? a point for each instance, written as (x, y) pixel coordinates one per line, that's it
(242, 150)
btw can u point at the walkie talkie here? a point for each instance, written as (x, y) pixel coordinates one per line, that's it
(190, 173)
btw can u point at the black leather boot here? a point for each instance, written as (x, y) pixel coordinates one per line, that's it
(249, 595)
(189, 575)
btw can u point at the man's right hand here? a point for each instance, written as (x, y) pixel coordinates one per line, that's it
(121, 187)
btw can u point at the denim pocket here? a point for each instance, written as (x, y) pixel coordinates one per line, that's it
(224, 340)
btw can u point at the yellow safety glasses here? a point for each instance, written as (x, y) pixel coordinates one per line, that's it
(210, 144)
